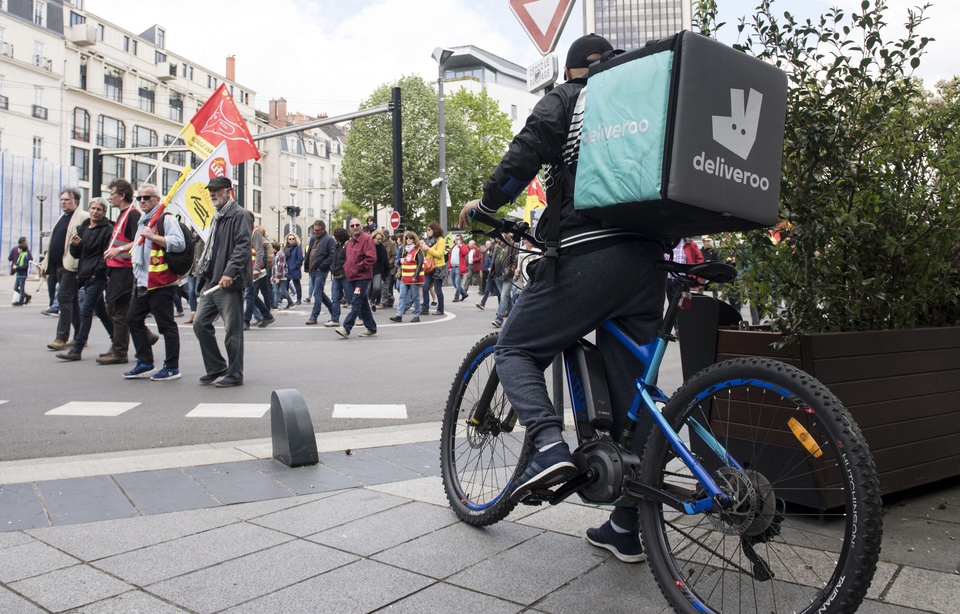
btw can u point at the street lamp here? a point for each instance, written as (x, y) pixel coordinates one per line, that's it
(441, 55)
(278, 211)
(41, 198)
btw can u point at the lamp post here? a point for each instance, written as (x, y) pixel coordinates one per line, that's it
(278, 212)
(41, 198)
(441, 55)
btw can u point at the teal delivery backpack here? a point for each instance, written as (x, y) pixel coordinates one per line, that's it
(682, 137)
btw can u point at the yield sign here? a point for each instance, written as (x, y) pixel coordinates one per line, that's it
(543, 20)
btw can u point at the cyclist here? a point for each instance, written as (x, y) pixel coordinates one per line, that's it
(601, 272)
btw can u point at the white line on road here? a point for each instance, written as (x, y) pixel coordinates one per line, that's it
(92, 408)
(229, 410)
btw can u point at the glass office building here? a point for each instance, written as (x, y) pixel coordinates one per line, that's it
(629, 24)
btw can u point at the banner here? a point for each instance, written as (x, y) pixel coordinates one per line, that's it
(218, 121)
(192, 200)
(536, 199)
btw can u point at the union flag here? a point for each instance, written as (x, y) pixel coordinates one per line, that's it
(536, 199)
(190, 196)
(218, 121)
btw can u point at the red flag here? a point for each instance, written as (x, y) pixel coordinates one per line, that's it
(219, 121)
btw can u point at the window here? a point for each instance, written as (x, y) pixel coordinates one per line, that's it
(126, 44)
(146, 96)
(293, 173)
(113, 168)
(174, 157)
(38, 59)
(161, 38)
(37, 147)
(211, 82)
(140, 172)
(134, 47)
(76, 19)
(513, 111)
(256, 201)
(100, 32)
(83, 73)
(40, 13)
(170, 177)
(293, 200)
(144, 137)
(38, 95)
(81, 125)
(183, 70)
(257, 173)
(110, 132)
(80, 158)
(113, 84)
(176, 107)
(159, 57)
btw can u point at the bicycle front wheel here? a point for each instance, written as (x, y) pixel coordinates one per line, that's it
(481, 445)
(803, 527)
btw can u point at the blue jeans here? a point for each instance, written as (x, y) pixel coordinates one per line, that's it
(409, 293)
(318, 279)
(338, 287)
(20, 287)
(192, 282)
(283, 292)
(505, 290)
(455, 278)
(359, 305)
(92, 303)
(252, 300)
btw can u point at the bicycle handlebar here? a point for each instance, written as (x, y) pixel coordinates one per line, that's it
(504, 226)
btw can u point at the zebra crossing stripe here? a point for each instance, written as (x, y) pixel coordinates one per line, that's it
(229, 410)
(105, 409)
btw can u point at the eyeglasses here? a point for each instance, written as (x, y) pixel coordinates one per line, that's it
(354, 225)
(143, 198)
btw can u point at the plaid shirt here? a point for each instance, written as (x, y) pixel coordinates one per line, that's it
(279, 265)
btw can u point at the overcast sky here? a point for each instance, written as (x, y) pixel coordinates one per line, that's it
(326, 56)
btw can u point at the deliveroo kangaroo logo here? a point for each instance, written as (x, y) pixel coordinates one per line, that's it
(739, 131)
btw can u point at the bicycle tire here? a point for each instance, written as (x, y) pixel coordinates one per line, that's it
(814, 559)
(478, 462)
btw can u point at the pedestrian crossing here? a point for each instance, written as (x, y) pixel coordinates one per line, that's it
(113, 409)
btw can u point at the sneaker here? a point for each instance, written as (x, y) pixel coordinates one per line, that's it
(311, 322)
(545, 469)
(246, 326)
(165, 375)
(368, 333)
(342, 332)
(29, 298)
(624, 546)
(396, 318)
(331, 324)
(497, 323)
(178, 314)
(141, 371)
(480, 306)
(266, 322)
(51, 312)
(415, 319)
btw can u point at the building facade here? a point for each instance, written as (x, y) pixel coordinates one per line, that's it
(629, 24)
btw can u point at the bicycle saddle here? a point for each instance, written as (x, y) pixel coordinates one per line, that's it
(712, 272)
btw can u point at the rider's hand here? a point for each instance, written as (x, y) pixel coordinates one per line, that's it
(465, 212)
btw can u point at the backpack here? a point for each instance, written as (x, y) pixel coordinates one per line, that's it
(179, 262)
(268, 254)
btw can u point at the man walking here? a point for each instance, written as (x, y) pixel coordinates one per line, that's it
(63, 266)
(321, 257)
(224, 264)
(261, 281)
(358, 269)
(120, 270)
(156, 288)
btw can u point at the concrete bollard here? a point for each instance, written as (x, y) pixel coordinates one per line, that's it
(294, 442)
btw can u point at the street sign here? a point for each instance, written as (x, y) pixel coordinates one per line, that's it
(395, 220)
(543, 20)
(542, 73)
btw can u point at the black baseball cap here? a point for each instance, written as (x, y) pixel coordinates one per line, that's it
(584, 47)
(218, 183)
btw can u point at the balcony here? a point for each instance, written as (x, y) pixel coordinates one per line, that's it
(4, 103)
(310, 182)
(82, 35)
(42, 62)
(6, 49)
(39, 112)
(166, 71)
(293, 182)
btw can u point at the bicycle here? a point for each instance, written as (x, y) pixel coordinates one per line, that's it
(727, 459)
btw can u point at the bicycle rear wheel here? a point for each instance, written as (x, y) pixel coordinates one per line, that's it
(802, 533)
(481, 445)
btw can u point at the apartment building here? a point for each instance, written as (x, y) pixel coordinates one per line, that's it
(629, 24)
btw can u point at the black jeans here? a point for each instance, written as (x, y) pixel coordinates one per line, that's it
(229, 305)
(69, 298)
(159, 302)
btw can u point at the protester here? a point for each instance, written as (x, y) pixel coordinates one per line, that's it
(88, 246)
(15, 253)
(280, 276)
(120, 270)
(227, 266)
(156, 285)
(261, 281)
(457, 267)
(338, 281)
(294, 256)
(321, 259)
(434, 246)
(21, 265)
(361, 256)
(63, 266)
(411, 272)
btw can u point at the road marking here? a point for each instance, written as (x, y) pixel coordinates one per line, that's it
(2, 402)
(229, 410)
(92, 408)
(398, 412)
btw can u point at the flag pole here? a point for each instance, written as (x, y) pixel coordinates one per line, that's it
(164, 155)
(152, 224)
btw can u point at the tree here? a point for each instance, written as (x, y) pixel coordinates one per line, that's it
(869, 191)
(489, 132)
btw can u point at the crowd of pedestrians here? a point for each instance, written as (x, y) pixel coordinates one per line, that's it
(121, 274)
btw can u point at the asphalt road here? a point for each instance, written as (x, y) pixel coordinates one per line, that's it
(409, 364)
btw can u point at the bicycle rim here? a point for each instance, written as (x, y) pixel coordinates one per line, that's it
(803, 532)
(480, 451)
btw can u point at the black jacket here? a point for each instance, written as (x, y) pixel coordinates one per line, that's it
(93, 242)
(321, 254)
(551, 138)
(339, 258)
(232, 256)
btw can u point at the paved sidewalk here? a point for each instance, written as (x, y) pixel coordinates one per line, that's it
(226, 528)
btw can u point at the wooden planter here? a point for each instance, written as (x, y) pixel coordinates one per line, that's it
(901, 386)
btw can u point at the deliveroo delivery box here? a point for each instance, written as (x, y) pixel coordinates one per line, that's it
(682, 137)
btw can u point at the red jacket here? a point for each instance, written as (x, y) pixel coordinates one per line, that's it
(694, 255)
(361, 256)
(464, 250)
